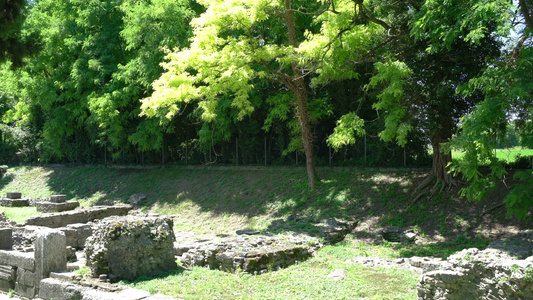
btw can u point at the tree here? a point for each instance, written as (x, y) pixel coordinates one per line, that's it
(13, 46)
(238, 43)
(506, 86)
(98, 59)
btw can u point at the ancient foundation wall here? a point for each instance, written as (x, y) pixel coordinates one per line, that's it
(503, 271)
(22, 271)
(63, 219)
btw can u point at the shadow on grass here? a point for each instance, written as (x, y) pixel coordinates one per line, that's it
(5, 180)
(280, 197)
(143, 279)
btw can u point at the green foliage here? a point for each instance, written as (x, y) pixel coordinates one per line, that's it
(347, 127)
(394, 74)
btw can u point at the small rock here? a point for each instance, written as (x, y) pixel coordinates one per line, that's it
(247, 232)
(338, 274)
(135, 199)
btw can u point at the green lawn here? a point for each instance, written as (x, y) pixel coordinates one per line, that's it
(508, 155)
(305, 280)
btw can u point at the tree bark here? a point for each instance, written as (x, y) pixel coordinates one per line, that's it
(299, 88)
(440, 162)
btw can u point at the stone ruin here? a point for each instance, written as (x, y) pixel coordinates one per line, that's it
(252, 253)
(249, 254)
(36, 257)
(502, 271)
(131, 246)
(55, 203)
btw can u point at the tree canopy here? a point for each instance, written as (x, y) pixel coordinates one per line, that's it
(255, 80)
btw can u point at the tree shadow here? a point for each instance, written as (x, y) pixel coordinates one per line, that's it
(6, 179)
(278, 198)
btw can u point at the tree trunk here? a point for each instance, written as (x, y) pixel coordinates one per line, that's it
(440, 161)
(299, 89)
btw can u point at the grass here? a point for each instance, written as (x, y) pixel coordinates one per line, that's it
(508, 155)
(305, 280)
(20, 214)
(207, 201)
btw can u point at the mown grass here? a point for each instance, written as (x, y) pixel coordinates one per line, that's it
(507, 155)
(305, 280)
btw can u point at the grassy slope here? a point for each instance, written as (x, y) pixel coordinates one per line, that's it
(222, 200)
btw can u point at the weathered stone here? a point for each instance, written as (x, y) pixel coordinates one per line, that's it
(7, 278)
(58, 198)
(396, 234)
(251, 254)
(25, 290)
(247, 232)
(128, 247)
(17, 259)
(135, 199)
(338, 274)
(6, 238)
(25, 277)
(474, 274)
(13, 195)
(78, 216)
(14, 202)
(50, 253)
(50, 288)
(50, 207)
(334, 230)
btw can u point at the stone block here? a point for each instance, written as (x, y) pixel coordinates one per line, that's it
(128, 247)
(6, 238)
(17, 259)
(58, 198)
(25, 290)
(50, 253)
(50, 207)
(25, 277)
(7, 278)
(50, 288)
(14, 202)
(6, 285)
(63, 219)
(13, 195)
(83, 231)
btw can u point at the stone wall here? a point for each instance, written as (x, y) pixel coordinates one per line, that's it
(63, 219)
(503, 271)
(22, 271)
(250, 254)
(130, 246)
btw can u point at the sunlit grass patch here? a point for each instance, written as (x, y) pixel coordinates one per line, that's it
(19, 214)
(305, 280)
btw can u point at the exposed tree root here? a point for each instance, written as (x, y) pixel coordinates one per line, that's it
(488, 211)
(423, 189)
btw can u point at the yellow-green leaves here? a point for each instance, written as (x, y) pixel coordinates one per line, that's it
(392, 74)
(348, 126)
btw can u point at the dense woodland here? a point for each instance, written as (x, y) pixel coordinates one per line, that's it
(364, 82)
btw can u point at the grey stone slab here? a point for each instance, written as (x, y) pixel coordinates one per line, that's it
(25, 290)
(17, 259)
(50, 207)
(13, 195)
(14, 202)
(50, 288)
(50, 252)
(58, 198)
(6, 238)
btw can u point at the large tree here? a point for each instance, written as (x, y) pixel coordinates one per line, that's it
(81, 92)
(237, 43)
